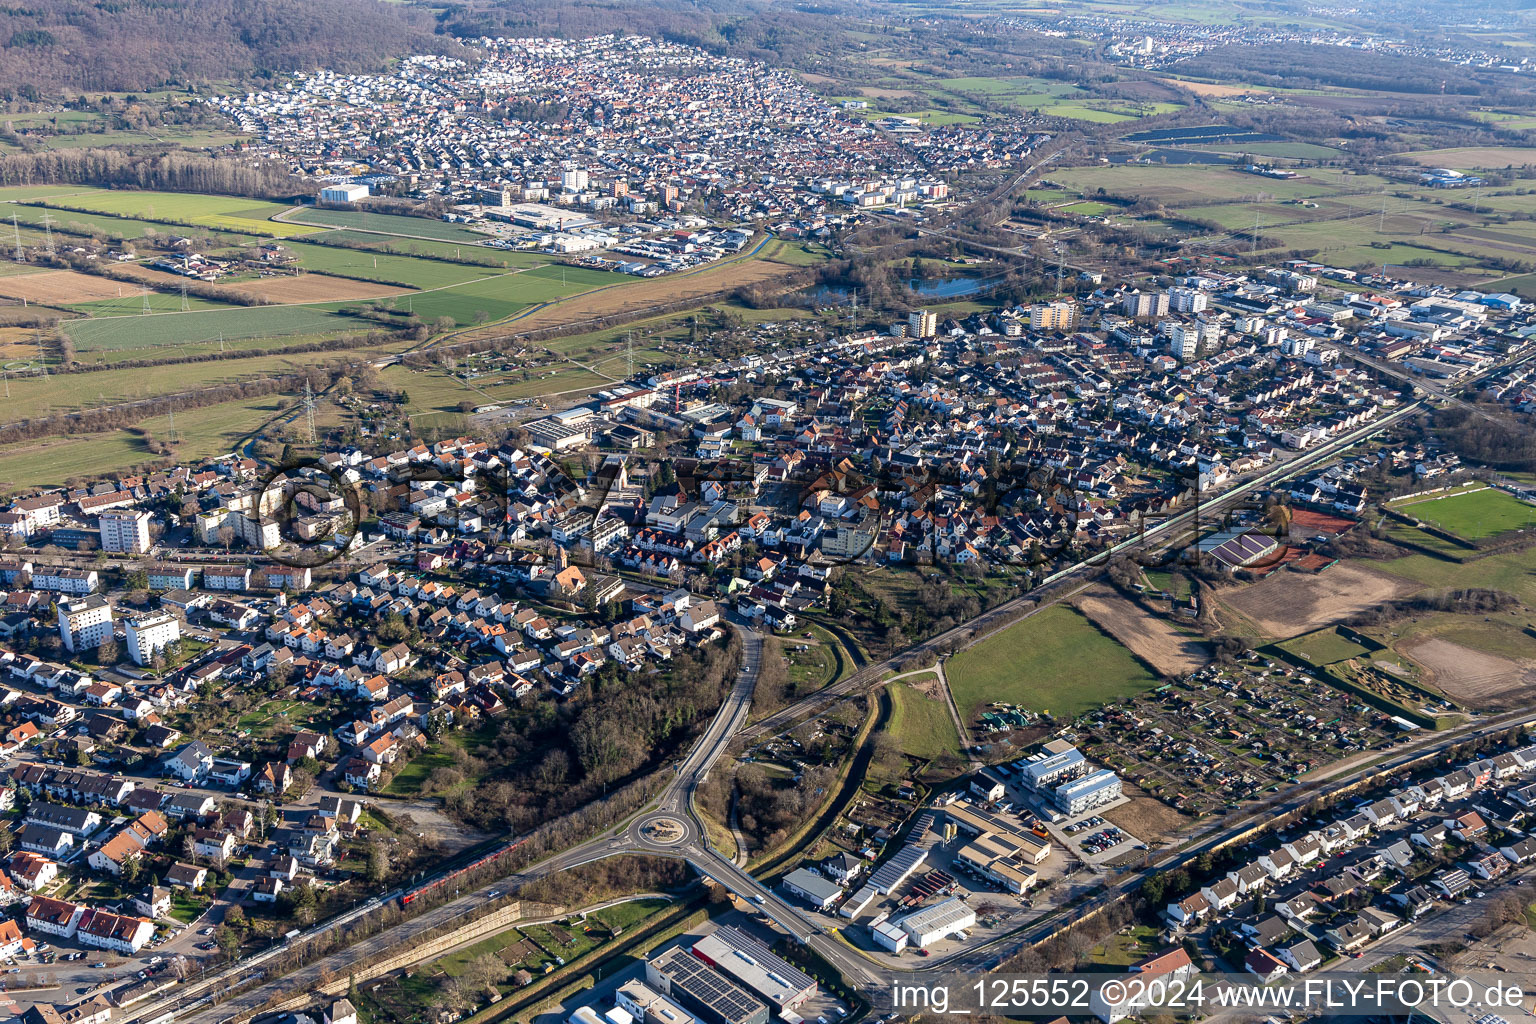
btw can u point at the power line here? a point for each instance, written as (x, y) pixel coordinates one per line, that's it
(20, 253)
(309, 410)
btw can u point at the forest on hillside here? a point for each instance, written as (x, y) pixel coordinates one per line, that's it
(49, 46)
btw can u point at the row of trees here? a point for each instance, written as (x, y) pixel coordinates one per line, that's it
(176, 170)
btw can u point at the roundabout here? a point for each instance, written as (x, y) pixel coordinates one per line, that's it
(663, 831)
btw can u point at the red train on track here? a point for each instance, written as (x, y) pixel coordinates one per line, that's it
(406, 899)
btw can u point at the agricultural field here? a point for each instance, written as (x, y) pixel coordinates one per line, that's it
(1473, 515)
(230, 213)
(204, 433)
(1051, 98)
(474, 255)
(63, 287)
(1473, 158)
(1348, 220)
(32, 193)
(796, 254)
(104, 225)
(1159, 641)
(1507, 571)
(1190, 185)
(131, 303)
(1056, 660)
(496, 298)
(311, 288)
(385, 224)
(376, 266)
(173, 329)
(1275, 150)
(1285, 604)
(932, 117)
(629, 295)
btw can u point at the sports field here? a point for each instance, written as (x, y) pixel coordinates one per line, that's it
(1325, 647)
(1474, 515)
(1055, 660)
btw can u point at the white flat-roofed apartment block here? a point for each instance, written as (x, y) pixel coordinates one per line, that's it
(65, 581)
(753, 965)
(171, 577)
(85, 624)
(149, 634)
(936, 923)
(343, 193)
(124, 530)
(1095, 790)
(1048, 769)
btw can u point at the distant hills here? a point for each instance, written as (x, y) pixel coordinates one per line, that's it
(48, 46)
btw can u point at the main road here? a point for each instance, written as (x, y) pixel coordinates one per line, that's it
(672, 827)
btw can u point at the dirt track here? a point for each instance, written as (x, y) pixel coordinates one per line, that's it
(1288, 604)
(1153, 639)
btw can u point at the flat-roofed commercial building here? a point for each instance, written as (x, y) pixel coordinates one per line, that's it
(996, 858)
(936, 923)
(1031, 848)
(816, 890)
(754, 965)
(703, 990)
(646, 1004)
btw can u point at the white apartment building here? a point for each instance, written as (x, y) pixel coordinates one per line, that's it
(1183, 340)
(125, 531)
(1052, 316)
(1187, 300)
(922, 324)
(85, 624)
(149, 634)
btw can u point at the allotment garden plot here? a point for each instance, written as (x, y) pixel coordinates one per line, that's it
(1220, 735)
